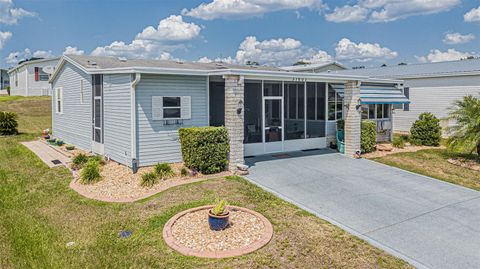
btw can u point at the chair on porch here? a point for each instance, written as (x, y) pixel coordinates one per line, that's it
(341, 140)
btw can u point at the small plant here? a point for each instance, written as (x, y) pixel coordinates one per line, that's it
(99, 159)
(91, 172)
(8, 123)
(163, 170)
(149, 179)
(79, 160)
(70, 147)
(59, 142)
(219, 208)
(184, 172)
(52, 140)
(398, 142)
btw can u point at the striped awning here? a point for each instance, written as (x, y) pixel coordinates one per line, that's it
(376, 93)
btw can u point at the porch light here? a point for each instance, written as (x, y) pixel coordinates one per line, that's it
(240, 107)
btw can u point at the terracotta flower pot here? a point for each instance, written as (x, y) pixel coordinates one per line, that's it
(218, 223)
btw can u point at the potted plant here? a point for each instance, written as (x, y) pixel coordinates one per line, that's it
(218, 216)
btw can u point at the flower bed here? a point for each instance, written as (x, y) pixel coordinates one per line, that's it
(188, 233)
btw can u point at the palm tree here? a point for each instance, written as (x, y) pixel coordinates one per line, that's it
(465, 134)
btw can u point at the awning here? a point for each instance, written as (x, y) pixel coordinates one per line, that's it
(376, 93)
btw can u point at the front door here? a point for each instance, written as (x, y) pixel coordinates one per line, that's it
(97, 114)
(273, 124)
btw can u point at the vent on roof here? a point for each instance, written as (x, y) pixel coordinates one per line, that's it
(179, 62)
(92, 63)
(122, 59)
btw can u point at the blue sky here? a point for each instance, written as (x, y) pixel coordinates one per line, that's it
(272, 32)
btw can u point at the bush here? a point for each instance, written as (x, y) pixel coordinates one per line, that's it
(8, 123)
(340, 124)
(98, 158)
(398, 142)
(79, 160)
(426, 130)
(163, 170)
(149, 179)
(91, 171)
(368, 136)
(184, 172)
(205, 148)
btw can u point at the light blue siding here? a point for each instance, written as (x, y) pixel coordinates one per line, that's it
(156, 142)
(117, 119)
(74, 124)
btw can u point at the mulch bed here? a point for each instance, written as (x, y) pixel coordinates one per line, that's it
(188, 232)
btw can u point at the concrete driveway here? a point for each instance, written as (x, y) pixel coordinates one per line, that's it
(427, 222)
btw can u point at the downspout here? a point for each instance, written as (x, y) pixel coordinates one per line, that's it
(133, 127)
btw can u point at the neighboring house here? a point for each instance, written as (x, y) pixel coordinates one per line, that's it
(4, 79)
(131, 110)
(315, 67)
(30, 77)
(431, 87)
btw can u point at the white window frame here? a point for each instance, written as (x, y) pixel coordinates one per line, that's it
(336, 105)
(172, 107)
(59, 101)
(82, 84)
(185, 109)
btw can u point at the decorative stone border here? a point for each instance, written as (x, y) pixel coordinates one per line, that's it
(171, 242)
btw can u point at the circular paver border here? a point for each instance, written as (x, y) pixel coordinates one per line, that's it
(171, 242)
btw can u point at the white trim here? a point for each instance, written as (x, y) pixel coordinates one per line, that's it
(133, 115)
(208, 101)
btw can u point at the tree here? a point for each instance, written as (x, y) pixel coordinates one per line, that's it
(465, 134)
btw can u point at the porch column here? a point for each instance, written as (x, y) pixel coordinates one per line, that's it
(234, 120)
(352, 118)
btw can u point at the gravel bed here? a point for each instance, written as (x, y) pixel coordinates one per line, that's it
(192, 231)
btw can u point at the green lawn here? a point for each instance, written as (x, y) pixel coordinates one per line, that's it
(433, 163)
(39, 214)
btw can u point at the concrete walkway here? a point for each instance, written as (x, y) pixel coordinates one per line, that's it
(47, 154)
(427, 222)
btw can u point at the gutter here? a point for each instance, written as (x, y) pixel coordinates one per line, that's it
(133, 115)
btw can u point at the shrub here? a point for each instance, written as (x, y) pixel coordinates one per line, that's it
(205, 148)
(398, 142)
(368, 136)
(184, 172)
(98, 158)
(149, 179)
(426, 130)
(91, 171)
(79, 160)
(163, 170)
(8, 123)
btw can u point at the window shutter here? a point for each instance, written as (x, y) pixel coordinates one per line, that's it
(37, 75)
(186, 110)
(157, 107)
(406, 92)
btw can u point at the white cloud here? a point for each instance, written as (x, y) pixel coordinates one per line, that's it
(375, 11)
(362, 52)
(473, 15)
(42, 54)
(348, 14)
(4, 37)
(457, 38)
(15, 57)
(11, 15)
(439, 56)
(171, 34)
(320, 57)
(228, 60)
(238, 9)
(69, 50)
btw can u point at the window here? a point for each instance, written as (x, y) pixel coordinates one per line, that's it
(40, 75)
(335, 104)
(171, 107)
(59, 100)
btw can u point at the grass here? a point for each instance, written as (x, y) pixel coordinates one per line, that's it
(40, 214)
(433, 163)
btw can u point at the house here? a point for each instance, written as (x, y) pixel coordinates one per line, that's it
(4, 79)
(431, 87)
(131, 110)
(30, 78)
(315, 67)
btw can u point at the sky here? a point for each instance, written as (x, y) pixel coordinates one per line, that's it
(271, 32)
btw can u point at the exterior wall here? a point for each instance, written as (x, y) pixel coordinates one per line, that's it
(117, 117)
(74, 124)
(352, 118)
(234, 122)
(434, 95)
(27, 86)
(157, 142)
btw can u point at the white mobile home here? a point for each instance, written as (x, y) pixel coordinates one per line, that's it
(431, 87)
(131, 110)
(30, 78)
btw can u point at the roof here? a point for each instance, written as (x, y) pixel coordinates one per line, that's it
(372, 93)
(439, 69)
(113, 65)
(310, 67)
(32, 62)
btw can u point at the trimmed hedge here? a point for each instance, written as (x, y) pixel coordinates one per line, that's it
(205, 148)
(369, 136)
(426, 130)
(8, 123)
